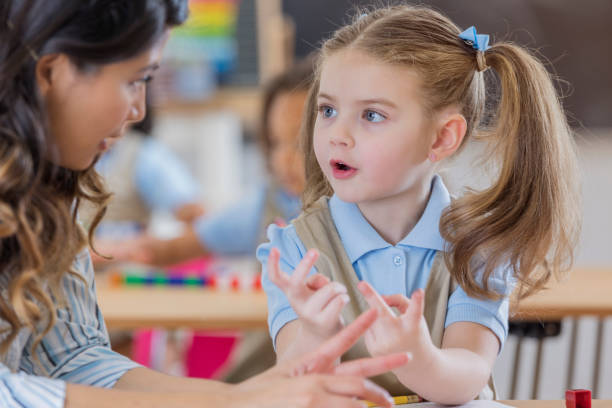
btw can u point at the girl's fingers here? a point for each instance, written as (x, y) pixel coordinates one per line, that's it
(399, 301)
(299, 274)
(278, 277)
(316, 281)
(357, 387)
(368, 367)
(415, 310)
(374, 299)
(331, 313)
(321, 298)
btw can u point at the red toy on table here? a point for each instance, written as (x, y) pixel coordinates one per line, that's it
(578, 399)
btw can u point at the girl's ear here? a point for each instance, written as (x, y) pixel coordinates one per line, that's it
(51, 71)
(451, 129)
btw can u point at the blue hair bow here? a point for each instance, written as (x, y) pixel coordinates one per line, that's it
(480, 42)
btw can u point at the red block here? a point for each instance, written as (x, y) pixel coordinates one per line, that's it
(578, 399)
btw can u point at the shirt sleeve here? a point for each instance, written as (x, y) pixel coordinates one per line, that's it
(162, 180)
(235, 230)
(492, 314)
(19, 390)
(292, 251)
(77, 348)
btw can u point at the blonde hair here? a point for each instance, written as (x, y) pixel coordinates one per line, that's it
(529, 219)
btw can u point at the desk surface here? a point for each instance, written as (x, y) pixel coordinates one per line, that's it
(553, 404)
(168, 307)
(586, 292)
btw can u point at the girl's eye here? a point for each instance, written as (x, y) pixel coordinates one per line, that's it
(327, 111)
(372, 116)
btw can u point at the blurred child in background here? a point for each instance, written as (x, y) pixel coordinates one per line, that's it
(145, 176)
(237, 230)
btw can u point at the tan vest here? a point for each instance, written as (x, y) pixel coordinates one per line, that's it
(317, 230)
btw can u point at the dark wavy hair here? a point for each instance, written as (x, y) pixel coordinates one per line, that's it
(39, 201)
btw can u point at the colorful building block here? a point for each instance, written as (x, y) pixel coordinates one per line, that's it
(578, 399)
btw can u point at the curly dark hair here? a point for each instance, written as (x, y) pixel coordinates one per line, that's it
(39, 200)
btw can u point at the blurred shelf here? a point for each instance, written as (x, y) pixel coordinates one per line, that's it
(245, 101)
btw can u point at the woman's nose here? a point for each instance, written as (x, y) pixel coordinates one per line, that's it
(138, 110)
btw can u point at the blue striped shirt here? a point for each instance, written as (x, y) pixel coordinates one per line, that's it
(76, 350)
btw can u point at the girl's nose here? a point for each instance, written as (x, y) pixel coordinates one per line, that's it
(341, 136)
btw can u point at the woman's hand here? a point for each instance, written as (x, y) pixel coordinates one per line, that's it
(315, 381)
(317, 301)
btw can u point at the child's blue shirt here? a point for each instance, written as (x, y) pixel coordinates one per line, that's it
(402, 268)
(237, 230)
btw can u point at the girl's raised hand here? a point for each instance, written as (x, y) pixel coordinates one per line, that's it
(317, 301)
(391, 333)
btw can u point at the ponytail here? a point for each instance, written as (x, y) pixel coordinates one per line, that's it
(529, 219)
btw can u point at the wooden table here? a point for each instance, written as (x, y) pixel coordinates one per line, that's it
(180, 307)
(588, 291)
(553, 404)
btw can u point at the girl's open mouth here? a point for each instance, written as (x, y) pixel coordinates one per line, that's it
(341, 170)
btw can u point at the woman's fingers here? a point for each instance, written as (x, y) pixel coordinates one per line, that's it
(276, 276)
(398, 301)
(374, 299)
(332, 349)
(350, 386)
(368, 367)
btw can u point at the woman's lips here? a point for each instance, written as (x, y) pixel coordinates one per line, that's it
(104, 145)
(341, 170)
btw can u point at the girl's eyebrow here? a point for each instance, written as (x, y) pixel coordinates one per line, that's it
(379, 101)
(326, 96)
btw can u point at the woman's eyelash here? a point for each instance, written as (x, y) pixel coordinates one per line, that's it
(145, 80)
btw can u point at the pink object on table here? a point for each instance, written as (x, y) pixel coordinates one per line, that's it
(197, 266)
(209, 353)
(141, 347)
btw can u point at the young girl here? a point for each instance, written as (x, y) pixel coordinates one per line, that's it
(397, 92)
(72, 77)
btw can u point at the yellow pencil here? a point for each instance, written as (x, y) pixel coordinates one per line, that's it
(403, 399)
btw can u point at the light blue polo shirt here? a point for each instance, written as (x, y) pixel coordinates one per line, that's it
(163, 181)
(402, 268)
(237, 230)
